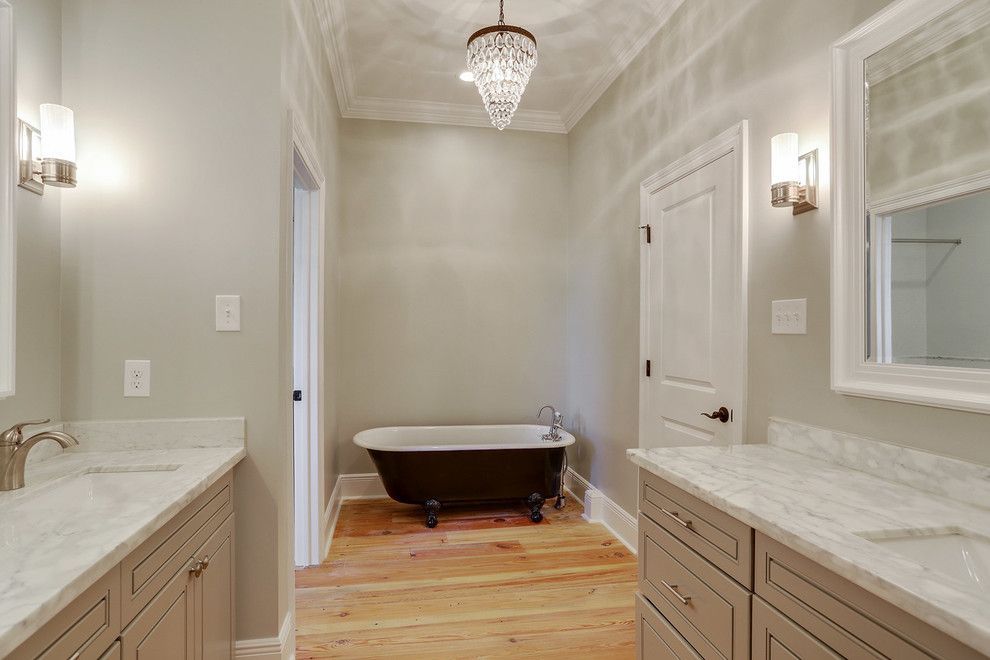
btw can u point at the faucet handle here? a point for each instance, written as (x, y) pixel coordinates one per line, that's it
(14, 435)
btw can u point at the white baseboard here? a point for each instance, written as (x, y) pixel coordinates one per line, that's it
(282, 647)
(348, 487)
(599, 508)
(361, 486)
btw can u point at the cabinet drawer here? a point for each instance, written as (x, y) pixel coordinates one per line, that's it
(717, 536)
(656, 639)
(849, 619)
(84, 629)
(775, 637)
(149, 568)
(706, 607)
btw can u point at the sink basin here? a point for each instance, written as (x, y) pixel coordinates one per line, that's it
(97, 488)
(956, 553)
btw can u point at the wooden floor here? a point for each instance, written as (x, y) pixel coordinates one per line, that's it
(486, 583)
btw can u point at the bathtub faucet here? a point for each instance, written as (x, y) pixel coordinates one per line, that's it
(556, 426)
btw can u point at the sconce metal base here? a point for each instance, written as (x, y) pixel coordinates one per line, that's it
(29, 151)
(58, 173)
(785, 194)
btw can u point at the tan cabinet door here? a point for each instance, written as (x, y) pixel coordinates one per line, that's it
(775, 637)
(215, 596)
(165, 628)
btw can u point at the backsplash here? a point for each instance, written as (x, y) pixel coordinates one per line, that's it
(144, 434)
(940, 475)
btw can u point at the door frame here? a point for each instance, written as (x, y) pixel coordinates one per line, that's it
(8, 219)
(308, 364)
(734, 140)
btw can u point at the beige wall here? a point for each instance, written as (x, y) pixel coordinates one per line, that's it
(452, 266)
(178, 116)
(714, 64)
(37, 26)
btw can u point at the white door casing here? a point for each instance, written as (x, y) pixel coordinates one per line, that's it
(308, 279)
(693, 298)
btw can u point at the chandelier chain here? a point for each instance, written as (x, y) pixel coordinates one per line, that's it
(501, 12)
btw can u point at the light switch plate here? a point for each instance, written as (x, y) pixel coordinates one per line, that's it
(789, 317)
(137, 378)
(228, 313)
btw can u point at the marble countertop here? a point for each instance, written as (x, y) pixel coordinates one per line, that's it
(57, 539)
(825, 510)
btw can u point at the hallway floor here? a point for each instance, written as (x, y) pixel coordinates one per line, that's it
(486, 583)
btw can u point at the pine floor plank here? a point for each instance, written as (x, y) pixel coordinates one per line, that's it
(486, 583)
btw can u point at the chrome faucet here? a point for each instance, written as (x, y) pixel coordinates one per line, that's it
(14, 450)
(556, 426)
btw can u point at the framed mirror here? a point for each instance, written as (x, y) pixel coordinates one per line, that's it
(911, 196)
(8, 157)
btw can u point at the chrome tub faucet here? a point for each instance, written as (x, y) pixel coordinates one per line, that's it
(14, 450)
(556, 425)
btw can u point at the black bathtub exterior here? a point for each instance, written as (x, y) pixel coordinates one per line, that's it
(437, 478)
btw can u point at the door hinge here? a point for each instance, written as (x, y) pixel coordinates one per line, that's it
(297, 395)
(647, 368)
(649, 233)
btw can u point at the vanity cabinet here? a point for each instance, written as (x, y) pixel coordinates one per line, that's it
(711, 587)
(171, 598)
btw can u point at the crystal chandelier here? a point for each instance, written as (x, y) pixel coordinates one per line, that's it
(501, 57)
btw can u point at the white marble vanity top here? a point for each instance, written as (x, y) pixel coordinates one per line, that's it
(53, 548)
(821, 509)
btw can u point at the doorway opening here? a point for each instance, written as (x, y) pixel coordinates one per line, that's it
(308, 223)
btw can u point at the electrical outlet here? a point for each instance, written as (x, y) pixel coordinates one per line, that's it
(228, 313)
(137, 377)
(789, 317)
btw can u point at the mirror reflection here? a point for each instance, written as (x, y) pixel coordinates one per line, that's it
(928, 193)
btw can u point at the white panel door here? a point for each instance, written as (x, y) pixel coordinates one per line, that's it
(694, 305)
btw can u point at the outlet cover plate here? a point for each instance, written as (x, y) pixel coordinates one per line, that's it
(228, 313)
(137, 378)
(789, 317)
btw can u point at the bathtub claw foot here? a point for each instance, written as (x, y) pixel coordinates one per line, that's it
(535, 502)
(432, 510)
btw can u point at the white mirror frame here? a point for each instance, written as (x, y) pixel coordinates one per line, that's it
(8, 158)
(944, 387)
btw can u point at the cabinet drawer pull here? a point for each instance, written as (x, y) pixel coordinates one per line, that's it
(672, 588)
(676, 518)
(197, 566)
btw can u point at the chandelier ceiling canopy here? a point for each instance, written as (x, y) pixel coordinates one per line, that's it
(501, 57)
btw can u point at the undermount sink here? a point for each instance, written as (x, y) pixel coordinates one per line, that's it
(96, 488)
(956, 553)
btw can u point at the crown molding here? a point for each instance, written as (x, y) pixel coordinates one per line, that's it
(459, 114)
(333, 25)
(584, 102)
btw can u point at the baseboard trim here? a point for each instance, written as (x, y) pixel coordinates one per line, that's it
(600, 508)
(270, 648)
(362, 486)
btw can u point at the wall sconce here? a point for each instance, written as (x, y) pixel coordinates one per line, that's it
(48, 157)
(794, 179)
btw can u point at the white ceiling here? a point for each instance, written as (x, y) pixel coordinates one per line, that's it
(399, 59)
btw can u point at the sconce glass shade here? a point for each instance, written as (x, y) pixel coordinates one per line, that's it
(785, 170)
(58, 146)
(784, 166)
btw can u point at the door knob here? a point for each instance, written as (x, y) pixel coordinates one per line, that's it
(722, 415)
